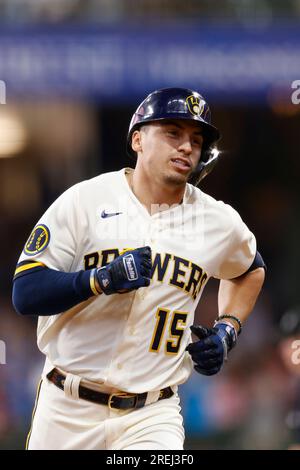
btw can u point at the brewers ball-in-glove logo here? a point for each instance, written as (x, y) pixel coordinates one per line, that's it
(194, 105)
(38, 240)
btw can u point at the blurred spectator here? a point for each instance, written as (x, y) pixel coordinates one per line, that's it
(289, 350)
(18, 377)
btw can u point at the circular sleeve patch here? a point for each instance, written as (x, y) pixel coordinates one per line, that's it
(38, 240)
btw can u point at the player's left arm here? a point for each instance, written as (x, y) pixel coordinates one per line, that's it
(238, 296)
(239, 288)
(236, 300)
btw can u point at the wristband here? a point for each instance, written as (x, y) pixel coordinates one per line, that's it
(233, 318)
(93, 283)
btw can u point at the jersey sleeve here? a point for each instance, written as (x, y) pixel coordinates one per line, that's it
(240, 250)
(53, 241)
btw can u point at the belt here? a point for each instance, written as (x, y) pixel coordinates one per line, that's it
(118, 400)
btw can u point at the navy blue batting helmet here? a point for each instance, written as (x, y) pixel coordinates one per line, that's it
(179, 103)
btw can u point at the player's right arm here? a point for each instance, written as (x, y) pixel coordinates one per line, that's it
(43, 291)
(45, 282)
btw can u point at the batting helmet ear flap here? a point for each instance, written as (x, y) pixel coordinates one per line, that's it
(208, 161)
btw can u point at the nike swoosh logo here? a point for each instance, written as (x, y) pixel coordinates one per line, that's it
(104, 214)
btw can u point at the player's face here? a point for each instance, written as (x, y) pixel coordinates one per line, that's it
(171, 150)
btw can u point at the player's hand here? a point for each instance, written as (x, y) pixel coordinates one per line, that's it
(210, 352)
(127, 272)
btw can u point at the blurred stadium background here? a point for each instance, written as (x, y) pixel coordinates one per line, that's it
(74, 71)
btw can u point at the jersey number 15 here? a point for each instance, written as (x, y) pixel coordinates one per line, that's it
(176, 330)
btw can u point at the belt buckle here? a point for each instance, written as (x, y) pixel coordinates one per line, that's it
(118, 394)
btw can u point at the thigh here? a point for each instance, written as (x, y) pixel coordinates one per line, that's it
(157, 426)
(59, 422)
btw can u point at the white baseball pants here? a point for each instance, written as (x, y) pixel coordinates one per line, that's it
(62, 422)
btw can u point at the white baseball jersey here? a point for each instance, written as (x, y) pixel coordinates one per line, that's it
(135, 341)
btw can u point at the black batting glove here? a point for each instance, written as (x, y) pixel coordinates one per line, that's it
(210, 352)
(127, 272)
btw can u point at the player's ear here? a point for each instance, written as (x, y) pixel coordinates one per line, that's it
(136, 142)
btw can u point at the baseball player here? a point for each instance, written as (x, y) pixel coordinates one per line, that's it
(115, 269)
